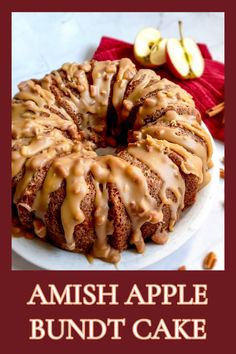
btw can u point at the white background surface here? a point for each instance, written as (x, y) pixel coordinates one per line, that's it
(42, 42)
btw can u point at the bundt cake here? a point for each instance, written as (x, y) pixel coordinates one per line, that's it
(101, 204)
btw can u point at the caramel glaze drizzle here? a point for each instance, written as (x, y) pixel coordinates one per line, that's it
(172, 133)
(43, 131)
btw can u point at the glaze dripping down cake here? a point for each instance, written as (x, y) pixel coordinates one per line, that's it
(102, 204)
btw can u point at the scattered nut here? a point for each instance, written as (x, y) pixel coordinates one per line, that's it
(222, 173)
(209, 261)
(160, 238)
(182, 268)
(16, 231)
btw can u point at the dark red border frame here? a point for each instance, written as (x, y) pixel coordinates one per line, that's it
(16, 287)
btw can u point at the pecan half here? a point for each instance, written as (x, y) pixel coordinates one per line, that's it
(209, 261)
(222, 173)
(183, 267)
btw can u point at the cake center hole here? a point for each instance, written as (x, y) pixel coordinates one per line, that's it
(106, 151)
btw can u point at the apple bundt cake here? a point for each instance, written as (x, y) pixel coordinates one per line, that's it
(101, 204)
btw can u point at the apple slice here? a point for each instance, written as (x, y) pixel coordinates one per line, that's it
(184, 57)
(143, 44)
(158, 53)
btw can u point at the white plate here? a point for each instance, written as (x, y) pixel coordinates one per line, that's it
(49, 257)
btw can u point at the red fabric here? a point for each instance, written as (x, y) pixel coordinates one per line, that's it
(207, 91)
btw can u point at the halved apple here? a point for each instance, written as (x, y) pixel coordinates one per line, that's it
(185, 61)
(176, 58)
(144, 42)
(158, 53)
(196, 61)
(184, 57)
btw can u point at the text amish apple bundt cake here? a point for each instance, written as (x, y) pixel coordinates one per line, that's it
(100, 205)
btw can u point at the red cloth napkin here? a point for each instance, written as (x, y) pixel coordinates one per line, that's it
(207, 91)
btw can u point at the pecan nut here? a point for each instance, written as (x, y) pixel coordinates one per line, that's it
(209, 261)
